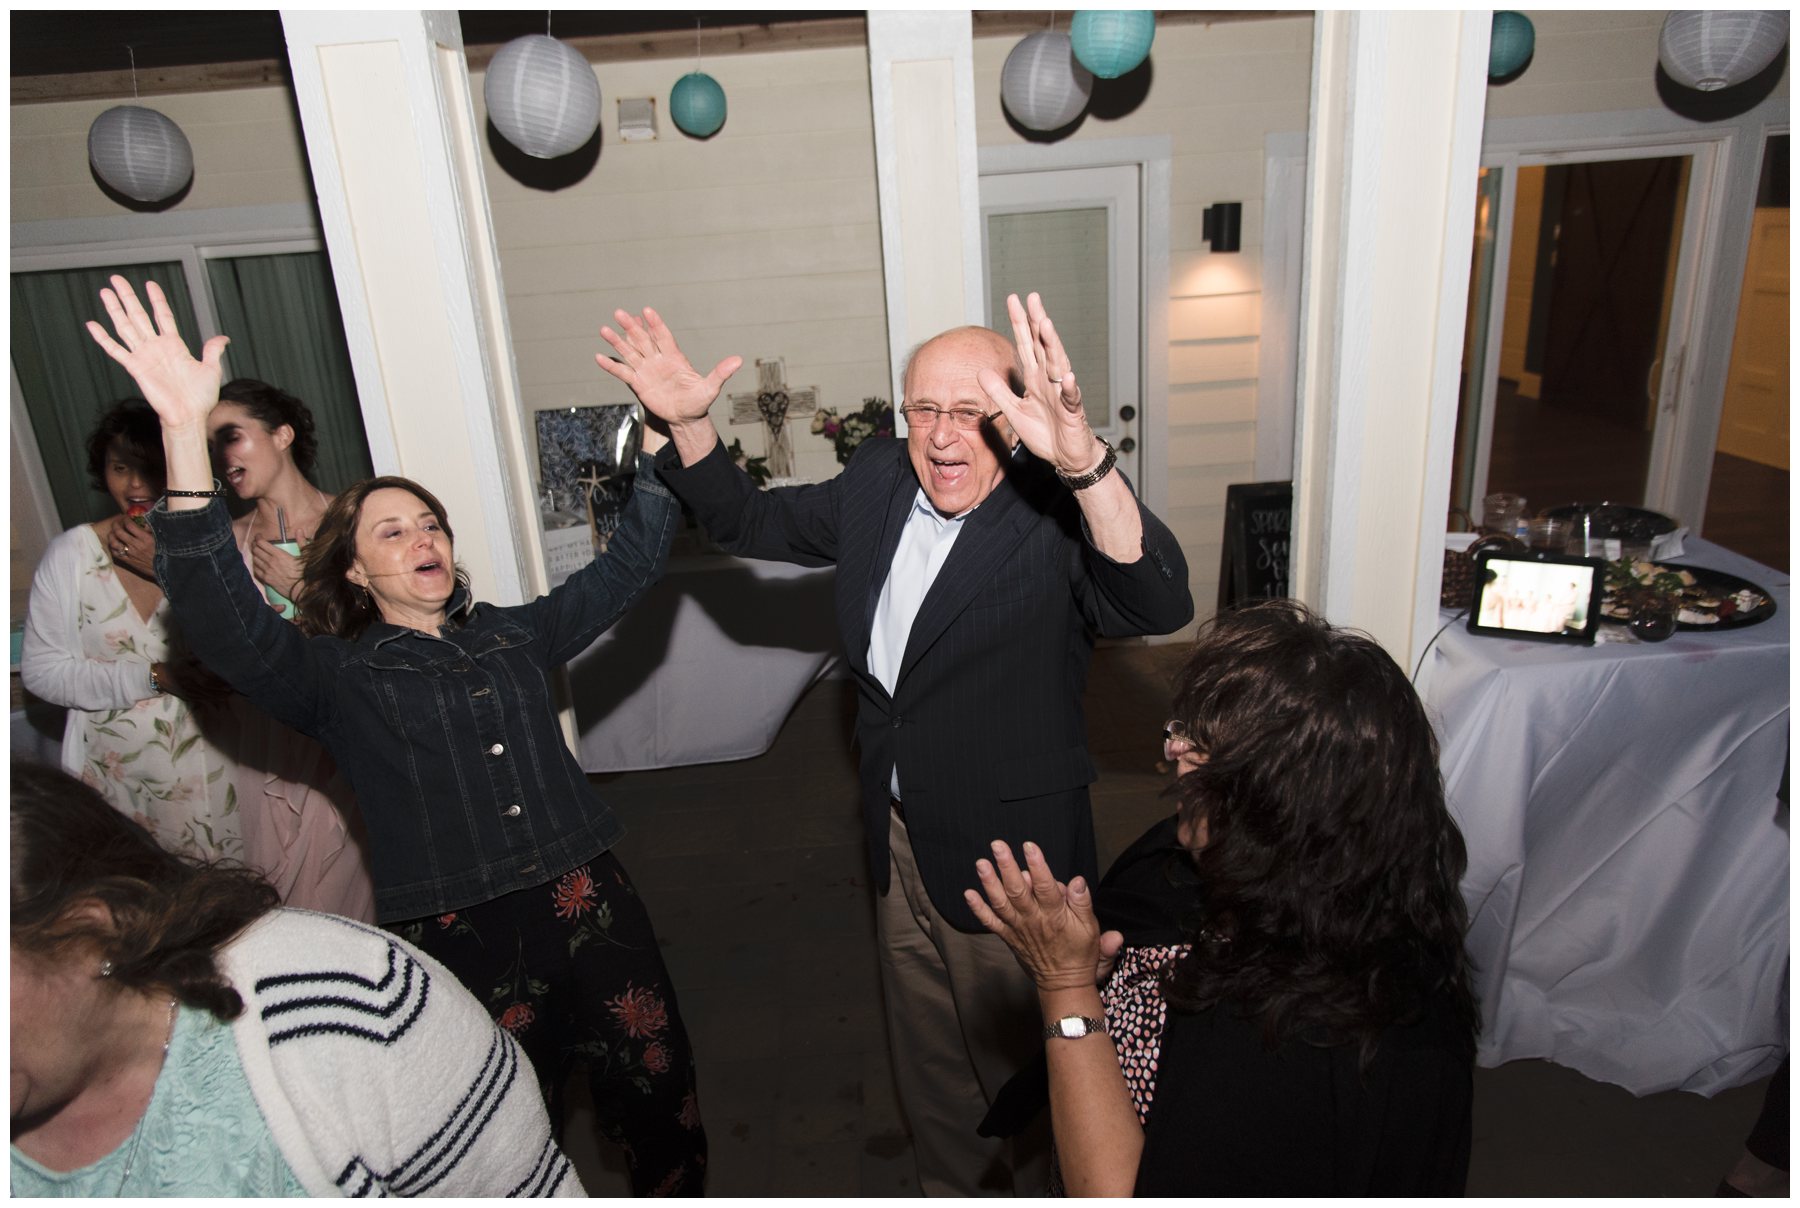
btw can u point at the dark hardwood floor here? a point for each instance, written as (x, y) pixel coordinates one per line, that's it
(1554, 455)
(1748, 510)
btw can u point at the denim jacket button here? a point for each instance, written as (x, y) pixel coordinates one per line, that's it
(496, 749)
(512, 811)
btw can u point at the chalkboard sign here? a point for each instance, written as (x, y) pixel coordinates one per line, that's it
(1254, 565)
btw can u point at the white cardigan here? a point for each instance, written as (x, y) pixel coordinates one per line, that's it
(378, 1073)
(51, 662)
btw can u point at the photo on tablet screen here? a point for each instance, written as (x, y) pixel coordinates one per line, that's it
(1537, 596)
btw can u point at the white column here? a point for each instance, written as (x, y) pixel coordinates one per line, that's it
(922, 83)
(396, 160)
(1394, 149)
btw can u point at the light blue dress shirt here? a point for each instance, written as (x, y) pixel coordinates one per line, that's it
(925, 543)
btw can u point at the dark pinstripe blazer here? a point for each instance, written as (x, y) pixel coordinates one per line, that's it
(985, 722)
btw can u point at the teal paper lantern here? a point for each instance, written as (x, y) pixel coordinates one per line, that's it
(1510, 45)
(697, 105)
(1111, 42)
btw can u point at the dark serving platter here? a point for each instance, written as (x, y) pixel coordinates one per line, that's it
(1713, 582)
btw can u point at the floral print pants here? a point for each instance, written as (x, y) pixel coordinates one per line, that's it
(572, 970)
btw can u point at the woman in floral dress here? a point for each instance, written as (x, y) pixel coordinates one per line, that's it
(99, 640)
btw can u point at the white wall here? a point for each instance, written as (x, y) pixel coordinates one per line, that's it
(1217, 91)
(1588, 62)
(763, 240)
(246, 141)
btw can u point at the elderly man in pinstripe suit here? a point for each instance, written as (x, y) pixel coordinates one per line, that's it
(976, 562)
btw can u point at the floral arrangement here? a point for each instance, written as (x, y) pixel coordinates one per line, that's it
(756, 467)
(874, 418)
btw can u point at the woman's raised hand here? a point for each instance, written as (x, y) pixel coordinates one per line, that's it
(182, 390)
(1050, 927)
(1048, 417)
(656, 370)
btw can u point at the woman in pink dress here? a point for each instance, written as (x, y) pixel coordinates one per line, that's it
(300, 822)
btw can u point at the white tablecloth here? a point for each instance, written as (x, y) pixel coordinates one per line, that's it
(1628, 857)
(706, 666)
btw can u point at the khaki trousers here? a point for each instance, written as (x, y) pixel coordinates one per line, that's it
(962, 1018)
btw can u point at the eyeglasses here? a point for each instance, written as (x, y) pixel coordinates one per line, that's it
(1177, 741)
(924, 415)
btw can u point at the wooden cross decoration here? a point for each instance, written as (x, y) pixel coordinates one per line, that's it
(773, 405)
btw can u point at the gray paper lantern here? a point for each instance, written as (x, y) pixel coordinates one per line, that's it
(140, 153)
(1715, 48)
(542, 96)
(1042, 85)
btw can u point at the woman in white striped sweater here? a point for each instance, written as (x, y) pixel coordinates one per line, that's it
(174, 1033)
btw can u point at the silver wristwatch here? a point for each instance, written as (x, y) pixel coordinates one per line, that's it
(1074, 1027)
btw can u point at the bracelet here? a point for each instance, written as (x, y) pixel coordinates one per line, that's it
(1081, 482)
(156, 684)
(216, 492)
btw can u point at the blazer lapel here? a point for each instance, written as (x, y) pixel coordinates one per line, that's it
(990, 532)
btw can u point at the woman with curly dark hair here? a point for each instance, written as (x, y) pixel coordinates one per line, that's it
(174, 1033)
(146, 725)
(1285, 1005)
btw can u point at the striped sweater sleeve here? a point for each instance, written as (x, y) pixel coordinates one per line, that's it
(378, 1073)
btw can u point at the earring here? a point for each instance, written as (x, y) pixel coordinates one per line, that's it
(106, 968)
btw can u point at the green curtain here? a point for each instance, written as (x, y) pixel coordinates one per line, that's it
(281, 313)
(65, 378)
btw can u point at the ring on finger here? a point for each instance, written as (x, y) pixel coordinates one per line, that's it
(1056, 381)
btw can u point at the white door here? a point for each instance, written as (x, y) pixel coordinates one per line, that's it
(1073, 235)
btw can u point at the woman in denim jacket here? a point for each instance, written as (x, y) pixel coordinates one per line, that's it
(488, 848)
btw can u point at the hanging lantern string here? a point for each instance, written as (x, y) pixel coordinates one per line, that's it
(547, 32)
(696, 44)
(134, 88)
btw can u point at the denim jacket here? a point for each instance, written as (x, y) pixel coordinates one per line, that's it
(450, 740)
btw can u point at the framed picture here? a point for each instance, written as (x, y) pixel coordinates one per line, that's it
(586, 459)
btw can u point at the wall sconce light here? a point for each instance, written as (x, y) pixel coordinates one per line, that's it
(1220, 224)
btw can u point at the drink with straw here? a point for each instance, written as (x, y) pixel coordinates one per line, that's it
(288, 611)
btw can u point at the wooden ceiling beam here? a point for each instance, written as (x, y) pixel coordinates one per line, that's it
(605, 48)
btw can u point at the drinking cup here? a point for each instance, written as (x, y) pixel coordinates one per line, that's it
(1547, 536)
(288, 611)
(1500, 512)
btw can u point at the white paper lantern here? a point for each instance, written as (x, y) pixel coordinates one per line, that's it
(1711, 49)
(1042, 85)
(140, 153)
(542, 96)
